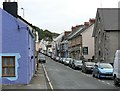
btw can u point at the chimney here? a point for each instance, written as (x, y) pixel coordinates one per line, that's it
(73, 28)
(92, 21)
(66, 33)
(86, 24)
(11, 7)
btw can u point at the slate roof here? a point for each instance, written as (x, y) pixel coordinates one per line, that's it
(74, 33)
(109, 17)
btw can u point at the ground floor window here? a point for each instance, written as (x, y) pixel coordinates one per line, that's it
(8, 66)
(85, 50)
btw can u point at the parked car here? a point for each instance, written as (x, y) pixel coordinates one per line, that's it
(70, 63)
(63, 60)
(116, 68)
(42, 58)
(66, 62)
(87, 67)
(57, 59)
(77, 64)
(103, 70)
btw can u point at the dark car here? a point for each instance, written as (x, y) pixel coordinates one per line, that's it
(77, 64)
(87, 67)
(42, 58)
(103, 70)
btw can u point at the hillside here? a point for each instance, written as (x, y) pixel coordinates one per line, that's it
(45, 34)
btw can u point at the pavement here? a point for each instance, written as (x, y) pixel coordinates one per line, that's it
(38, 81)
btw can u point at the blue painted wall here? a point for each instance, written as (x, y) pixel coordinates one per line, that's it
(17, 41)
(0, 37)
(1, 31)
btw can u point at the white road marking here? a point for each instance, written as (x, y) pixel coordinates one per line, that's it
(46, 74)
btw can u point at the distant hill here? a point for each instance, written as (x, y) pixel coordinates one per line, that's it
(45, 34)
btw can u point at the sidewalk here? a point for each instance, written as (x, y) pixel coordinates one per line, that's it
(38, 82)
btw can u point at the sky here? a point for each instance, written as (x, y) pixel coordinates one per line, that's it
(60, 15)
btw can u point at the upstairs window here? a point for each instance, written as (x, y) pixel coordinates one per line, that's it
(8, 66)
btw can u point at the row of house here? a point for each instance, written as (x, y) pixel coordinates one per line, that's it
(17, 46)
(96, 40)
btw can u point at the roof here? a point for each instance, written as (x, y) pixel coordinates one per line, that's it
(109, 18)
(59, 38)
(74, 33)
(25, 21)
(83, 29)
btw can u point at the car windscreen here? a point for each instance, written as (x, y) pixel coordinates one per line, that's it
(90, 63)
(78, 61)
(103, 65)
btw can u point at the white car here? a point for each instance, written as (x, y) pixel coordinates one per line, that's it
(63, 61)
(116, 68)
(57, 58)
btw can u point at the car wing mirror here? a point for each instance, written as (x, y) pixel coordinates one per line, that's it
(96, 66)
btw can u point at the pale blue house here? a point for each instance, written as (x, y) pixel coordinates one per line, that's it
(17, 48)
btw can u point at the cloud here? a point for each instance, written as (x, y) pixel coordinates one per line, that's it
(60, 15)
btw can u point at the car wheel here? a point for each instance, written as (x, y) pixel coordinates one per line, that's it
(85, 71)
(98, 75)
(116, 81)
(93, 74)
(73, 67)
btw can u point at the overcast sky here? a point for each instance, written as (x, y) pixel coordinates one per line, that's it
(60, 15)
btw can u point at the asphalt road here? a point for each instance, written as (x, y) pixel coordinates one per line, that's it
(63, 77)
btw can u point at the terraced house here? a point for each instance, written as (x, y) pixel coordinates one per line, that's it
(88, 40)
(17, 61)
(75, 42)
(107, 34)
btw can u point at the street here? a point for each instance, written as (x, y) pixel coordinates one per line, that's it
(64, 77)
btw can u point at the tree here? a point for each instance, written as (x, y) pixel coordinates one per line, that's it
(45, 34)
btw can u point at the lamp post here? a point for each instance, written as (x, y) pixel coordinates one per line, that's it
(23, 12)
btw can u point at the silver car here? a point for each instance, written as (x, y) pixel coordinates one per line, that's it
(66, 62)
(77, 64)
(42, 58)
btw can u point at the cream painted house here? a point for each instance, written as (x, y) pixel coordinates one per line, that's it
(88, 41)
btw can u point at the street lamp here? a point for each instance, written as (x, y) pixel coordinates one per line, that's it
(23, 12)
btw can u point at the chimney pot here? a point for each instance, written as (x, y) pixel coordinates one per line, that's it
(73, 28)
(92, 21)
(86, 24)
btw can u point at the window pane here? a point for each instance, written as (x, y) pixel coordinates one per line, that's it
(5, 71)
(12, 61)
(12, 71)
(5, 61)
